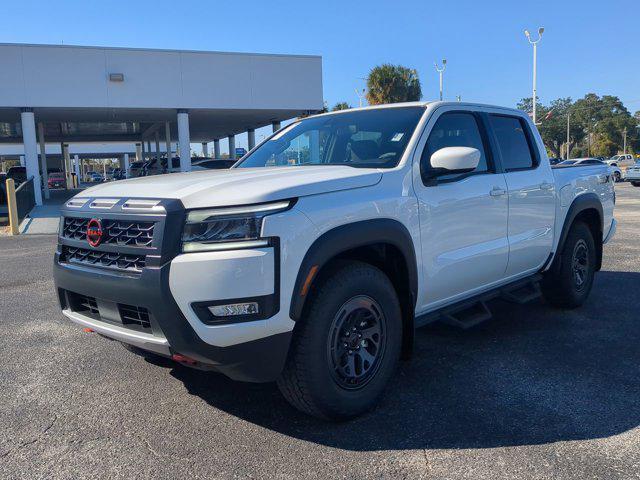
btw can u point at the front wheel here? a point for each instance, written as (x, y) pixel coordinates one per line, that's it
(568, 283)
(617, 177)
(347, 346)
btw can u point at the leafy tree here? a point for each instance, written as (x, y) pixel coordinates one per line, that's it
(596, 125)
(341, 106)
(392, 84)
(552, 124)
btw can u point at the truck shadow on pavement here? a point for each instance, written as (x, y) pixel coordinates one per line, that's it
(531, 375)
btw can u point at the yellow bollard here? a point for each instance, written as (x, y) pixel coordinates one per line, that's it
(12, 206)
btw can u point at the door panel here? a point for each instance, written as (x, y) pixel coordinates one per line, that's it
(532, 213)
(531, 188)
(464, 236)
(463, 217)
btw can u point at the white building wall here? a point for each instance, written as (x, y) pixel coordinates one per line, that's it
(78, 77)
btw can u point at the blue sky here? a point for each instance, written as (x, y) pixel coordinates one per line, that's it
(587, 46)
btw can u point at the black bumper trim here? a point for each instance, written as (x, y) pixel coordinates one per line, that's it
(259, 360)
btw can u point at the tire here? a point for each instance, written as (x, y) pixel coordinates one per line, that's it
(354, 309)
(635, 184)
(568, 283)
(617, 177)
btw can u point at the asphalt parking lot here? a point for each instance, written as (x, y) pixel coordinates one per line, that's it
(534, 393)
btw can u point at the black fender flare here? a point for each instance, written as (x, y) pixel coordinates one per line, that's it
(586, 201)
(347, 237)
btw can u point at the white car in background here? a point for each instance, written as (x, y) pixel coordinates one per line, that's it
(618, 160)
(633, 174)
(616, 173)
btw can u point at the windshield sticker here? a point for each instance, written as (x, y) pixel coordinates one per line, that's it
(397, 137)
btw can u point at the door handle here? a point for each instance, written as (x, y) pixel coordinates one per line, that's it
(497, 192)
(546, 186)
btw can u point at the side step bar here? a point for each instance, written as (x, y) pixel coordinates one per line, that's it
(473, 311)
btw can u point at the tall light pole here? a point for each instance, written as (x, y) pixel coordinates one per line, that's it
(568, 139)
(535, 54)
(441, 71)
(624, 141)
(360, 94)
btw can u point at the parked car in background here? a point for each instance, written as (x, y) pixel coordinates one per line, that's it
(633, 174)
(135, 168)
(119, 174)
(554, 160)
(18, 174)
(213, 164)
(57, 180)
(620, 160)
(616, 173)
(95, 177)
(312, 266)
(3, 188)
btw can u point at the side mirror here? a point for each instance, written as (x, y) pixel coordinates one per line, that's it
(450, 160)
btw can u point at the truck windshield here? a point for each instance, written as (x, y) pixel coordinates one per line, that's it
(373, 138)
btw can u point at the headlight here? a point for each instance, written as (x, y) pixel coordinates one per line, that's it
(227, 228)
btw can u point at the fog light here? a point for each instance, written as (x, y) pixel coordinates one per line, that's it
(249, 308)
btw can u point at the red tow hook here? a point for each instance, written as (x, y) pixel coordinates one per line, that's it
(87, 330)
(183, 359)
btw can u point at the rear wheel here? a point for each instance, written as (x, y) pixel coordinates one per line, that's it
(635, 184)
(617, 177)
(347, 346)
(568, 283)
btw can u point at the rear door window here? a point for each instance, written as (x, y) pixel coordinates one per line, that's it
(513, 142)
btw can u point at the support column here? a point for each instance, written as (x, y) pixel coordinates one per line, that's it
(144, 153)
(126, 165)
(31, 151)
(184, 141)
(76, 168)
(43, 160)
(205, 149)
(66, 162)
(275, 126)
(167, 141)
(216, 148)
(251, 138)
(149, 148)
(138, 152)
(158, 148)
(232, 147)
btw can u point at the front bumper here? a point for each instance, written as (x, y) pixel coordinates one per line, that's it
(172, 290)
(259, 360)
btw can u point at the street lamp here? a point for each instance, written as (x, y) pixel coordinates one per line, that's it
(535, 50)
(361, 95)
(441, 71)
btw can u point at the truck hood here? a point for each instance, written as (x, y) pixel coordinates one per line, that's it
(239, 186)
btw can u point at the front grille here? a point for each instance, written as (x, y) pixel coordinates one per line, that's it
(132, 315)
(115, 232)
(86, 304)
(119, 261)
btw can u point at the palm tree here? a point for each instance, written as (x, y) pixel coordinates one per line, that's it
(392, 84)
(341, 106)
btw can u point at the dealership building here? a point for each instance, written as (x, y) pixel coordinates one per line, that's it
(148, 99)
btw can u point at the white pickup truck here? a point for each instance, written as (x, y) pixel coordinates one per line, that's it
(313, 259)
